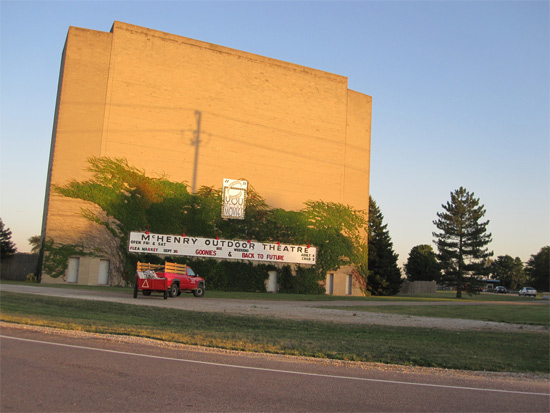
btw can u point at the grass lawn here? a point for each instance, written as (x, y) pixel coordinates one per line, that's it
(532, 313)
(491, 351)
(439, 296)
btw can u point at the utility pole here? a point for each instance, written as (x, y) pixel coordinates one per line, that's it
(196, 142)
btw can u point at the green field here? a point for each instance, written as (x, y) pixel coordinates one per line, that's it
(442, 296)
(531, 313)
(476, 350)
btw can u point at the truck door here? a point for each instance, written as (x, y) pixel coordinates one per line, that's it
(191, 279)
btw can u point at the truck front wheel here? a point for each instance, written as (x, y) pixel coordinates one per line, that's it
(174, 290)
(199, 292)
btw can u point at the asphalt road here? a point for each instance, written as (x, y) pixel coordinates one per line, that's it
(67, 371)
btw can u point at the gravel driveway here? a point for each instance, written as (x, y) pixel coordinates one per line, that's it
(294, 310)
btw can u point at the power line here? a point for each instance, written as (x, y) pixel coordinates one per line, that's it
(197, 142)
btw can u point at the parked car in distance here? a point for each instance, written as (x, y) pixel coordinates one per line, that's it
(527, 291)
(501, 290)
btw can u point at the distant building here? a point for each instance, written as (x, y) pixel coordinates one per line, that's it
(296, 133)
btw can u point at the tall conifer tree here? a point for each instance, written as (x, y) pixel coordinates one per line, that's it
(463, 239)
(7, 245)
(384, 274)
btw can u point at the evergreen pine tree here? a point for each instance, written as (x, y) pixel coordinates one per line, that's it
(384, 274)
(462, 241)
(7, 247)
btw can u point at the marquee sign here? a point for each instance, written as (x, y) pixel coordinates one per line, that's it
(143, 242)
(234, 198)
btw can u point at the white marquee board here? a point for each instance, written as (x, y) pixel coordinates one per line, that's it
(148, 243)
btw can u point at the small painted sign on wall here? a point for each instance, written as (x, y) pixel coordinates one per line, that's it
(234, 198)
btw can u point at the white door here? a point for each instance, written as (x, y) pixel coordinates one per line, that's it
(272, 282)
(103, 274)
(348, 285)
(72, 273)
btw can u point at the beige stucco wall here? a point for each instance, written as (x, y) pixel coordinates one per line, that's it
(293, 132)
(78, 128)
(88, 272)
(343, 282)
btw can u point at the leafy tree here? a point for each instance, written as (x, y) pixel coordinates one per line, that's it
(509, 271)
(538, 269)
(7, 246)
(338, 232)
(422, 264)
(462, 240)
(384, 275)
(34, 242)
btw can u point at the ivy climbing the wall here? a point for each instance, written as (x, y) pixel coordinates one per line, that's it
(132, 201)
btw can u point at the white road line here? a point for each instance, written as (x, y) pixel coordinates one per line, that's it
(276, 370)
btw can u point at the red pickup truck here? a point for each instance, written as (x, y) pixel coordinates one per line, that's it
(168, 278)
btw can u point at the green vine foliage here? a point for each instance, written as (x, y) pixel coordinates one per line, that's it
(57, 257)
(137, 202)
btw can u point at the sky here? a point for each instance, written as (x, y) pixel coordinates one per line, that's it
(461, 97)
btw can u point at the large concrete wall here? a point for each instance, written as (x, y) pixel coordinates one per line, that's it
(293, 132)
(78, 129)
